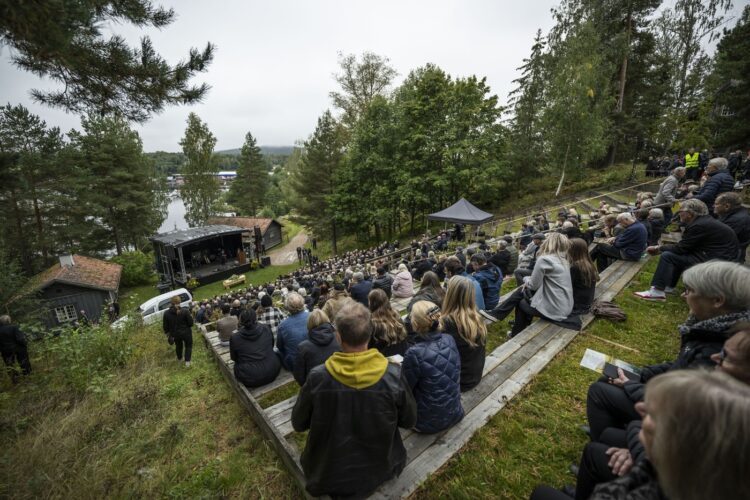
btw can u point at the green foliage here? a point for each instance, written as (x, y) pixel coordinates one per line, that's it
(200, 192)
(120, 201)
(137, 268)
(248, 190)
(63, 41)
(167, 163)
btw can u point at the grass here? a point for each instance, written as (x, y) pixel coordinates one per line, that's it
(157, 429)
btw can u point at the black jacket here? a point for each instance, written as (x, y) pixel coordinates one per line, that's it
(384, 283)
(315, 351)
(354, 444)
(421, 267)
(739, 221)
(657, 228)
(255, 362)
(472, 357)
(718, 182)
(359, 292)
(178, 325)
(501, 259)
(706, 238)
(12, 340)
(638, 484)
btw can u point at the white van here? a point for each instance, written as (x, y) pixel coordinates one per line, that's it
(153, 309)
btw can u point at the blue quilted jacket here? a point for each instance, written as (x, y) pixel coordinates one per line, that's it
(432, 368)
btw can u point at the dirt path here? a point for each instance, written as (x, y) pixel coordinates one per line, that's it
(288, 253)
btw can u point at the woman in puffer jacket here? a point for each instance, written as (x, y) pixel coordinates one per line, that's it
(432, 368)
(403, 286)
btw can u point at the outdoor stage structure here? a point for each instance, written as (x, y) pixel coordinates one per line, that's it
(207, 253)
(462, 212)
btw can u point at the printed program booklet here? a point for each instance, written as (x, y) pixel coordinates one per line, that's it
(607, 365)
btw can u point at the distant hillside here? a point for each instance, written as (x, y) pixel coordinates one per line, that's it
(266, 150)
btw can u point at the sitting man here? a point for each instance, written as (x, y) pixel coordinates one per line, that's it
(628, 245)
(501, 258)
(528, 258)
(226, 325)
(729, 209)
(353, 406)
(360, 288)
(490, 280)
(704, 239)
(383, 281)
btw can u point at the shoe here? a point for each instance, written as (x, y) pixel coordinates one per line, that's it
(488, 316)
(652, 294)
(670, 290)
(569, 490)
(187, 364)
(585, 429)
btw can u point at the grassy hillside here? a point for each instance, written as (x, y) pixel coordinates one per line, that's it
(116, 415)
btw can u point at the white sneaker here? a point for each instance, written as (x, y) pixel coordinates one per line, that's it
(651, 294)
(187, 364)
(670, 289)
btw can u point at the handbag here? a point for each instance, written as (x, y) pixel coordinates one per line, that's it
(170, 339)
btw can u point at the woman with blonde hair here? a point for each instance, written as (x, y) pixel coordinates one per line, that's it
(388, 331)
(432, 368)
(547, 293)
(461, 320)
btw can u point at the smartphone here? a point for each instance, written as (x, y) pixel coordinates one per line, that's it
(610, 371)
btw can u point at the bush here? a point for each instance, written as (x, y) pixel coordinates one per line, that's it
(136, 268)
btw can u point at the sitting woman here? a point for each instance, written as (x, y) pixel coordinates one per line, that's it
(388, 331)
(718, 296)
(432, 369)
(583, 276)
(251, 349)
(682, 410)
(320, 344)
(547, 293)
(430, 290)
(461, 320)
(403, 286)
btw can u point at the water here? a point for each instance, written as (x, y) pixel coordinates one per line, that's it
(175, 216)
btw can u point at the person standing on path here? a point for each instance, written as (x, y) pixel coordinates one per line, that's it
(13, 346)
(299, 254)
(314, 243)
(177, 324)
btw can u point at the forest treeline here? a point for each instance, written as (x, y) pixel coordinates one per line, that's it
(611, 81)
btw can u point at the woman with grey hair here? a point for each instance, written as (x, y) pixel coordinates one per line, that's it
(13, 347)
(718, 295)
(689, 455)
(719, 181)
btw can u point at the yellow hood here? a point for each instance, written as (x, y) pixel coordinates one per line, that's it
(357, 370)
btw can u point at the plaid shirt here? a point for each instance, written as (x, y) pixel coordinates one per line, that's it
(272, 317)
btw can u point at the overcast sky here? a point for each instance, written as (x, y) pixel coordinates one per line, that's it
(273, 67)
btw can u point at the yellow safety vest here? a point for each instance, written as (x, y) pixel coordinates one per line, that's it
(691, 161)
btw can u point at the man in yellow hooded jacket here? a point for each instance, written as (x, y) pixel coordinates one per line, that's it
(353, 406)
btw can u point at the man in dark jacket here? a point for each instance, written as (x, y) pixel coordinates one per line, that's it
(719, 181)
(420, 267)
(704, 239)
(490, 279)
(729, 209)
(13, 346)
(360, 288)
(383, 281)
(351, 454)
(177, 323)
(501, 258)
(628, 245)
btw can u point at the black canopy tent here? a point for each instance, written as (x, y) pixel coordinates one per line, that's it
(462, 212)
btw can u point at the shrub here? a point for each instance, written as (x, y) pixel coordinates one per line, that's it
(136, 268)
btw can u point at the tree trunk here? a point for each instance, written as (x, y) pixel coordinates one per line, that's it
(40, 229)
(23, 251)
(115, 232)
(334, 248)
(624, 66)
(412, 213)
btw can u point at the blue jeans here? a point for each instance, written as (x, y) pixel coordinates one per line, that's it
(670, 268)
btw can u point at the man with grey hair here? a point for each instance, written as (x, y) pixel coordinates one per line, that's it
(719, 181)
(628, 245)
(360, 289)
(704, 239)
(292, 330)
(665, 196)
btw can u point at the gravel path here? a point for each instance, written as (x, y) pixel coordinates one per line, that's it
(288, 253)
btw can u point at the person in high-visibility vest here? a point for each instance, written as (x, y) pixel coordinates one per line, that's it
(691, 165)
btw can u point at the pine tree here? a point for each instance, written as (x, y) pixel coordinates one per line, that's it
(200, 190)
(314, 182)
(248, 190)
(63, 41)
